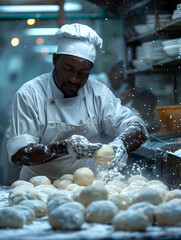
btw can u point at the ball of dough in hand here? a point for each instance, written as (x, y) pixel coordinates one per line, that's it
(104, 155)
(83, 176)
(101, 211)
(40, 180)
(11, 217)
(92, 193)
(130, 221)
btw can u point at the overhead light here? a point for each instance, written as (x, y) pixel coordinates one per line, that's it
(31, 21)
(40, 41)
(40, 31)
(45, 49)
(14, 42)
(68, 7)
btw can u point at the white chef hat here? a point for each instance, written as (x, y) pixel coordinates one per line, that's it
(78, 40)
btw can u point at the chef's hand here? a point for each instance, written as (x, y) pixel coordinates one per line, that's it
(80, 148)
(121, 156)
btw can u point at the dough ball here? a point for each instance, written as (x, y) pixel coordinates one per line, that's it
(58, 193)
(121, 185)
(146, 208)
(159, 188)
(104, 155)
(112, 189)
(98, 183)
(45, 188)
(77, 190)
(176, 193)
(56, 182)
(83, 176)
(64, 183)
(76, 205)
(130, 221)
(16, 197)
(92, 193)
(157, 183)
(21, 183)
(23, 188)
(69, 216)
(135, 178)
(11, 218)
(37, 206)
(122, 202)
(101, 211)
(19, 196)
(138, 184)
(72, 186)
(56, 202)
(28, 213)
(148, 195)
(40, 180)
(67, 177)
(129, 192)
(169, 213)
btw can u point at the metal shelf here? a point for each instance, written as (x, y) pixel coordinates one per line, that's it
(169, 28)
(159, 66)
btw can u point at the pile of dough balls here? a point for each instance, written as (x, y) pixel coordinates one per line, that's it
(73, 199)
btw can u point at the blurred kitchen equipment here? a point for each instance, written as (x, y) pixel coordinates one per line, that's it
(170, 119)
(157, 155)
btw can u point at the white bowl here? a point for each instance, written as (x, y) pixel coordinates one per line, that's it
(144, 28)
(179, 6)
(172, 50)
(171, 42)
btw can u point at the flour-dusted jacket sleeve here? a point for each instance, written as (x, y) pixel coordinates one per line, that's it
(113, 117)
(24, 127)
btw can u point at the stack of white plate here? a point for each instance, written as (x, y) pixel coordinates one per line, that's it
(162, 19)
(148, 53)
(144, 28)
(177, 12)
(172, 47)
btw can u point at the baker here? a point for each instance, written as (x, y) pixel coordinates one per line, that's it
(59, 119)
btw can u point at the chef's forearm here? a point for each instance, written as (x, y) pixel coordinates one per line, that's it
(35, 154)
(133, 136)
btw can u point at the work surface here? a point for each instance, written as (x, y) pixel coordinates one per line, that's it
(41, 230)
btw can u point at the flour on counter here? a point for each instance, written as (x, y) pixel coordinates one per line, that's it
(4, 190)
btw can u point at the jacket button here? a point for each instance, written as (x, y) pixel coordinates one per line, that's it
(52, 101)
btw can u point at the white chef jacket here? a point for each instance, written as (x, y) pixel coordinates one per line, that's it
(103, 78)
(41, 114)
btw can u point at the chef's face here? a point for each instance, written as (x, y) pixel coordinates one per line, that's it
(70, 73)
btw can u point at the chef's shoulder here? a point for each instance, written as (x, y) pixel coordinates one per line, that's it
(97, 87)
(37, 86)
